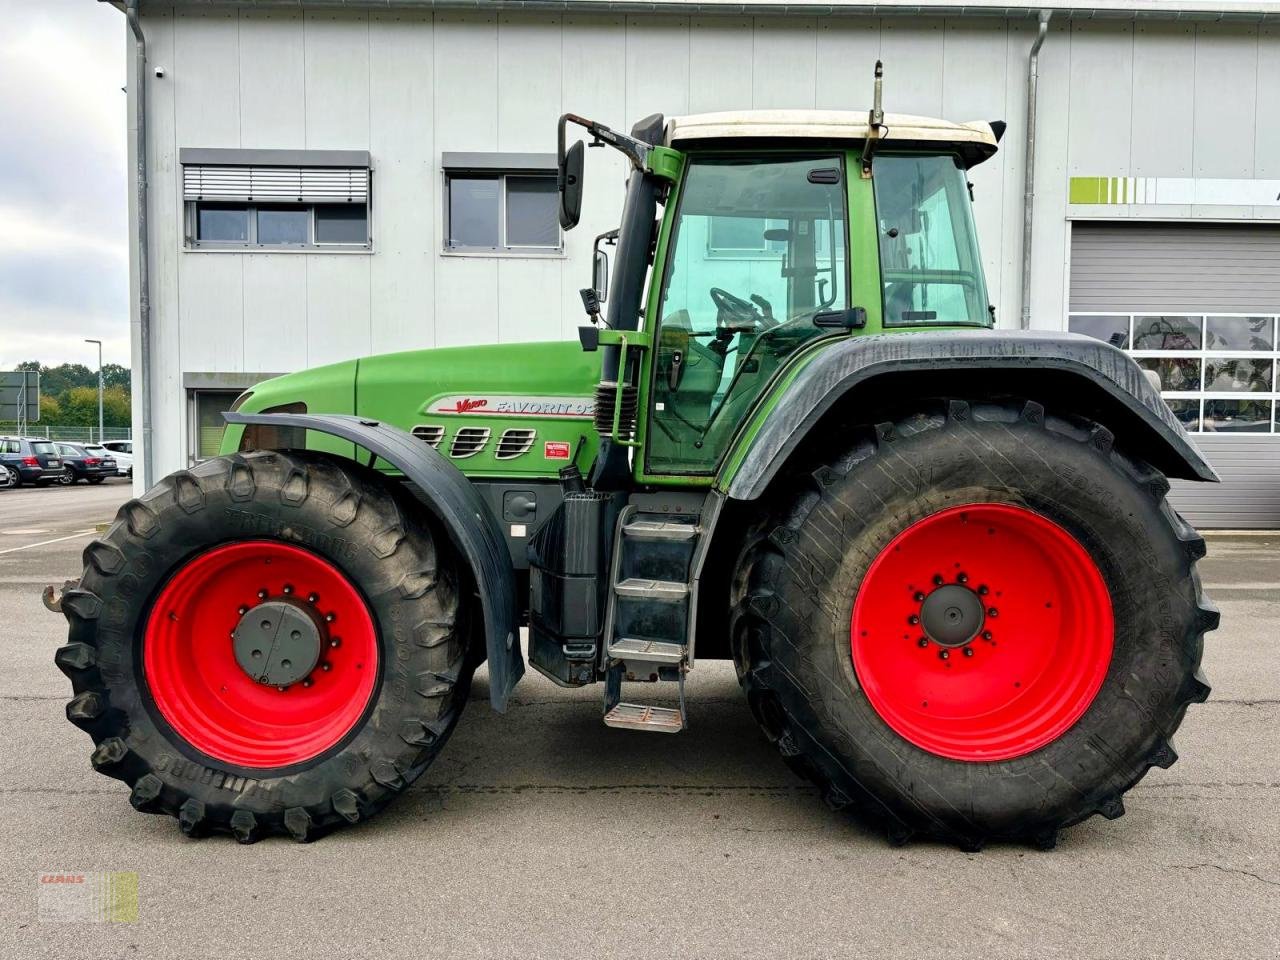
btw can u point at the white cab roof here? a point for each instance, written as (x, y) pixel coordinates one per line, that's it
(826, 125)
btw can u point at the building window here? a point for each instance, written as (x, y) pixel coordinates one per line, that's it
(1217, 372)
(499, 203)
(276, 199)
(207, 425)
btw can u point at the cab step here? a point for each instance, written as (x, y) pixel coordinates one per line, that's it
(669, 591)
(660, 530)
(648, 651)
(639, 716)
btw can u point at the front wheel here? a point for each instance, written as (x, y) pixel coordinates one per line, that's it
(268, 643)
(9, 477)
(67, 478)
(980, 623)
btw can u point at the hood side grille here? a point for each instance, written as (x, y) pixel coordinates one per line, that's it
(429, 433)
(468, 441)
(515, 442)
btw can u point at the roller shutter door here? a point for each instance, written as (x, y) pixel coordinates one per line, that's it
(1200, 305)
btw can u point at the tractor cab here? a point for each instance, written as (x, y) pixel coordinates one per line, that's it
(780, 230)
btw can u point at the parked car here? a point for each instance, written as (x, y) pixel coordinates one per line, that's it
(122, 450)
(85, 461)
(30, 460)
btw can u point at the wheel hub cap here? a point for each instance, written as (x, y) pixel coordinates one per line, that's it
(278, 642)
(952, 615)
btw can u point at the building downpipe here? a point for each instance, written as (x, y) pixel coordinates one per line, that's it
(138, 91)
(1029, 159)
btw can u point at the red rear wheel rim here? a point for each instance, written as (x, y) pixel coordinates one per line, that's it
(1030, 670)
(203, 693)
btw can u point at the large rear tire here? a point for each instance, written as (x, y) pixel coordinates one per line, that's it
(980, 623)
(358, 684)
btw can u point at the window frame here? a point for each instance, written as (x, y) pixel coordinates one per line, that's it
(192, 244)
(500, 167)
(1202, 355)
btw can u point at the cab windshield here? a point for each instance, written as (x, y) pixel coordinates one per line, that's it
(929, 261)
(758, 251)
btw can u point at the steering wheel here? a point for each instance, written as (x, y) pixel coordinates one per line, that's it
(734, 313)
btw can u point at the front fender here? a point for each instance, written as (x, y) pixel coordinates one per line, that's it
(456, 503)
(1068, 372)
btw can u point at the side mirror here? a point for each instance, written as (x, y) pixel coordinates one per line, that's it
(600, 275)
(570, 183)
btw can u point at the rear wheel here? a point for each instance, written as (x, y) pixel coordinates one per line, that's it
(268, 643)
(67, 478)
(9, 477)
(981, 623)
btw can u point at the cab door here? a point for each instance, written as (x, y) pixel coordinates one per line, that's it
(755, 263)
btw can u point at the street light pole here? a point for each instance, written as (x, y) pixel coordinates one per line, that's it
(99, 343)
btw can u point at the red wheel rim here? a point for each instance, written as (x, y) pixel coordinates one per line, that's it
(1030, 670)
(203, 693)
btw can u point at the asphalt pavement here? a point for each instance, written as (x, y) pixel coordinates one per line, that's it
(542, 833)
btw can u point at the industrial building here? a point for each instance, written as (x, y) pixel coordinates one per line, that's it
(331, 180)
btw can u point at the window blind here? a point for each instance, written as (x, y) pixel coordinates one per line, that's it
(281, 184)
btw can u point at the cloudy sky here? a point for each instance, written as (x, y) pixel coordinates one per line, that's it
(63, 232)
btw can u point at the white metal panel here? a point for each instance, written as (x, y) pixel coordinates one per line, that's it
(272, 82)
(601, 94)
(913, 54)
(1226, 100)
(275, 310)
(528, 295)
(169, 422)
(784, 62)
(720, 63)
(657, 66)
(1164, 57)
(211, 311)
(205, 78)
(337, 307)
(975, 90)
(1266, 154)
(465, 94)
(337, 76)
(406, 201)
(1049, 242)
(846, 51)
(1101, 79)
(1012, 159)
(530, 63)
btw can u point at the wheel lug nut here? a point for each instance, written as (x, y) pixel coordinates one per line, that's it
(326, 666)
(962, 578)
(262, 594)
(993, 612)
(944, 654)
(243, 610)
(968, 651)
(913, 619)
(937, 579)
(983, 591)
(288, 588)
(986, 634)
(282, 688)
(307, 682)
(335, 642)
(919, 596)
(330, 617)
(312, 597)
(922, 642)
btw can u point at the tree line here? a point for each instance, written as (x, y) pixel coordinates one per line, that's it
(69, 394)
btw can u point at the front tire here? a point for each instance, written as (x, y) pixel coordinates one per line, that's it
(1073, 645)
(228, 732)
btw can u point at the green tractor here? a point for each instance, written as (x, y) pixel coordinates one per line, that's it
(939, 554)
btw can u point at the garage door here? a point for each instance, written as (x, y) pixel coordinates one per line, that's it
(1198, 304)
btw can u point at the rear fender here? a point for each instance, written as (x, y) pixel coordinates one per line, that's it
(458, 506)
(1068, 373)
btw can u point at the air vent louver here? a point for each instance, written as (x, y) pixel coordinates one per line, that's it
(468, 441)
(429, 433)
(515, 443)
